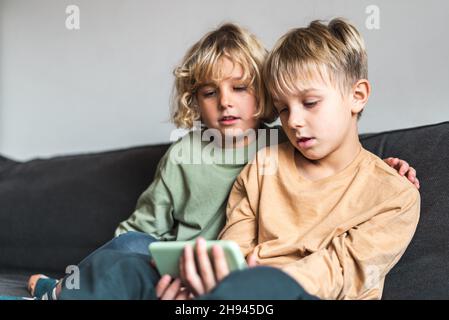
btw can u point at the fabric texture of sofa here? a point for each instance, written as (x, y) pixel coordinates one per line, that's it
(55, 211)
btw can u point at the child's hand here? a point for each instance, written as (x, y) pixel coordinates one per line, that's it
(403, 168)
(166, 289)
(202, 276)
(251, 260)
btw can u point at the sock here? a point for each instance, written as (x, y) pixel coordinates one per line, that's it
(46, 289)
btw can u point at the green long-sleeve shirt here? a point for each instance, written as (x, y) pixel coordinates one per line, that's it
(187, 200)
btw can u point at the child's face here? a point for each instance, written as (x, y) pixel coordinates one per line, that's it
(228, 106)
(318, 119)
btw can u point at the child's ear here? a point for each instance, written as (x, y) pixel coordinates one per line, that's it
(360, 95)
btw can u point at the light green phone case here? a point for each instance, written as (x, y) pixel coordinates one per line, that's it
(166, 255)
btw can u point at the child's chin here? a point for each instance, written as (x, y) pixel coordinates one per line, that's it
(234, 132)
(309, 154)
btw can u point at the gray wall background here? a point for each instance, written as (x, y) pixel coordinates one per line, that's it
(108, 85)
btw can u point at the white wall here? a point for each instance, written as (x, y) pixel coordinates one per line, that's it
(108, 84)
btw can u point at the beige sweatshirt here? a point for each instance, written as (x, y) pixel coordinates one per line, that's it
(338, 236)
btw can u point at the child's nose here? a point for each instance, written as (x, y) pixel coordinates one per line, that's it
(225, 101)
(295, 120)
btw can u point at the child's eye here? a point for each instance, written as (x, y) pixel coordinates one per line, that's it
(310, 104)
(209, 93)
(281, 110)
(240, 88)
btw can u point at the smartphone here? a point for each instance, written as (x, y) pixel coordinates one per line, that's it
(166, 255)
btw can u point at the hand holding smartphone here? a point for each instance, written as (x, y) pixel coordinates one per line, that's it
(166, 255)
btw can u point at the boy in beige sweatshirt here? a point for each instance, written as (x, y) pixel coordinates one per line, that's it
(320, 208)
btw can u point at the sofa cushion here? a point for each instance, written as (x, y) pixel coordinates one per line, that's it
(423, 271)
(53, 212)
(14, 285)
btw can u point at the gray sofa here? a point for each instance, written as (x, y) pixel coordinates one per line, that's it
(55, 211)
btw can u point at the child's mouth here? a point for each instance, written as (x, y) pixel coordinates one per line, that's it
(305, 143)
(228, 120)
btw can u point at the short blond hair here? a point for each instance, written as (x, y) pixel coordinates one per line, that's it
(201, 66)
(335, 52)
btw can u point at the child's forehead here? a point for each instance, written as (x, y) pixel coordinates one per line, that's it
(224, 70)
(299, 78)
(300, 86)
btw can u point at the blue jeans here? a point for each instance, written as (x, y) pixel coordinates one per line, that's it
(113, 274)
(93, 268)
(128, 276)
(259, 283)
(121, 270)
(132, 241)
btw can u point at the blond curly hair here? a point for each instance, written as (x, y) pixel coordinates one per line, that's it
(201, 66)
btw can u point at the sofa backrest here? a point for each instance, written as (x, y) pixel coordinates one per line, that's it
(55, 211)
(423, 271)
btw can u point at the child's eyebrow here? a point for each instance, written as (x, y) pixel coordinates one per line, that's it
(214, 84)
(237, 78)
(209, 84)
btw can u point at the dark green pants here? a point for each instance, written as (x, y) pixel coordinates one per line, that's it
(113, 274)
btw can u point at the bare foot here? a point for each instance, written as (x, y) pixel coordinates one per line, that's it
(32, 282)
